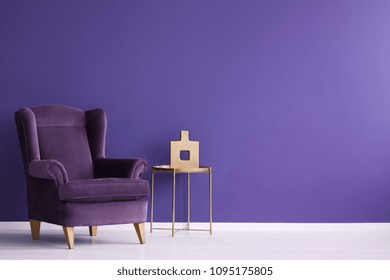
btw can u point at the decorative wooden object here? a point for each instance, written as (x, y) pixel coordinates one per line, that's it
(186, 146)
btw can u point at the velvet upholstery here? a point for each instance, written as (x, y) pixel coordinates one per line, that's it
(48, 169)
(103, 190)
(69, 180)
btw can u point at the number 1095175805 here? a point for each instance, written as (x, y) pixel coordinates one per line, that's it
(241, 270)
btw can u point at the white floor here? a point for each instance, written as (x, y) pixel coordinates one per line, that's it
(229, 241)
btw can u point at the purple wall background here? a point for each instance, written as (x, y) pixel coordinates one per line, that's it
(290, 100)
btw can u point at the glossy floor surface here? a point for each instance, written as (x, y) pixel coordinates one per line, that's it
(229, 241)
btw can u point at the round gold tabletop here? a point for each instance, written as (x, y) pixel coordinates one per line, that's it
(168, 168)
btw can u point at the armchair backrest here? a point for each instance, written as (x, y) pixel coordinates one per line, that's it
(71, 136)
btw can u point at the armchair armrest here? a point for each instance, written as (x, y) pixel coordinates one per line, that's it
(119, 168)
(48, 169)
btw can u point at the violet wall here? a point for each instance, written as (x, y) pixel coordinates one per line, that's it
(290, 100)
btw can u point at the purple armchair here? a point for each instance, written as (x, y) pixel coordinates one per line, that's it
(70, 182)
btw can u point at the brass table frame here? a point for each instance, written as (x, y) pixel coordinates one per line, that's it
(174, 171)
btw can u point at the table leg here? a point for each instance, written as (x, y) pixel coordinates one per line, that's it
(173, 202)
(211, 201)
(152, 204)
(188, 200)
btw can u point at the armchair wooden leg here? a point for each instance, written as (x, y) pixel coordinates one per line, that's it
(140, 229)
(69, 236)
(92, 230)
(35, 229)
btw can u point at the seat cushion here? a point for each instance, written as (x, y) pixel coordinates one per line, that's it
(103, 190)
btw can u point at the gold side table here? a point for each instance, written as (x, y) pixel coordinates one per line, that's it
(174, 171)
